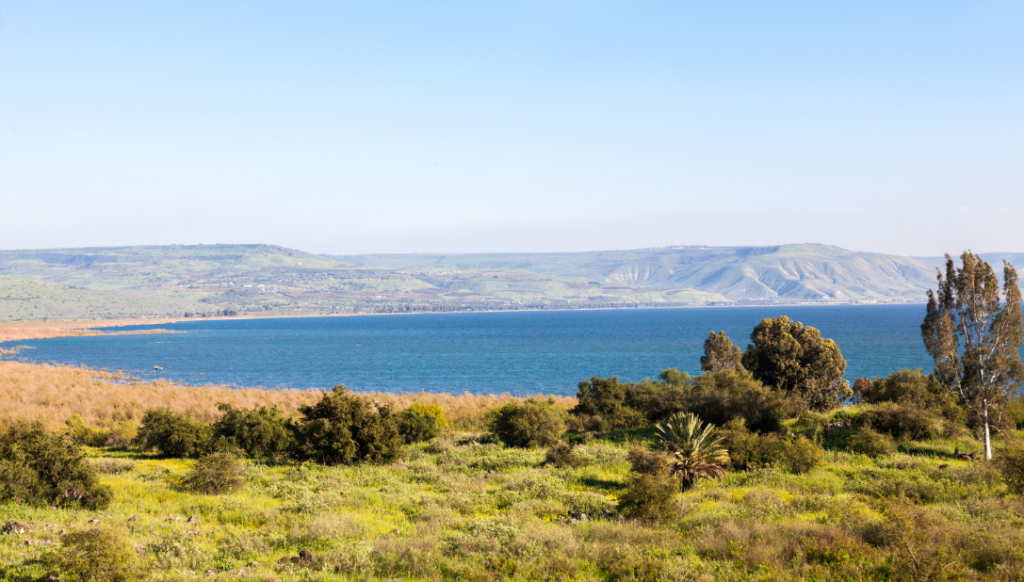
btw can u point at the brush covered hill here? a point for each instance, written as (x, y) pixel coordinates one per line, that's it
(175, 280)
(807, 272)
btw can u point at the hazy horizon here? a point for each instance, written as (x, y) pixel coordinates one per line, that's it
(354, 128)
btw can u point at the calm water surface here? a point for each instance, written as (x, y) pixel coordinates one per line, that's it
(518, 352)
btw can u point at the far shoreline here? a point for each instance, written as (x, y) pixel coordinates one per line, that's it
(20, 330)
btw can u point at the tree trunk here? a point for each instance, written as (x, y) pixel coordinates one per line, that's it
(988, 440)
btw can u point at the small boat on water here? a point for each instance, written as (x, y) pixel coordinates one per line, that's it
(158, 367)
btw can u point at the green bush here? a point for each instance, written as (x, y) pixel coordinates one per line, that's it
(719, 397)
(260, 432)
(1015, 410)
(907, 421)
(173, 435)
(534, 423)
(215, 474)
(1011, 465)
(748, 450)
(98, 554)
(801, 454)
(650, 497)
(343, 428)
(610, 401)
(84, 434)
(421, 422)
(647, 462)
(869, 442)
(561, 455)
(43, 468)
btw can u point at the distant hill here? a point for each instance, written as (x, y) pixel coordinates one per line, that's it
(994, 259)
(807, 272)
(206, 280)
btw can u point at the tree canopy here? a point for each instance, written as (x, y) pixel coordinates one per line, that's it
(975, 336)
(720, 354)
(793, 357)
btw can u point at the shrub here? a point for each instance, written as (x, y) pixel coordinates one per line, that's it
(561, 454)
(534, 423)
(260, 432)
(43, 468)
(801, 454)
(1015, 410)
(1011, 465)
(748, 450)
(868, 442)
(647, 462)
(610, 400)
(99, 553)
(907, 421)
(174, 435)
(84, 434)
(215, 474)
(719, 397)
(343, 428)
(421, 422)
(650, 497)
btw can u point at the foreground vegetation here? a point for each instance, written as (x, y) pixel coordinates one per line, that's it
(768, 466)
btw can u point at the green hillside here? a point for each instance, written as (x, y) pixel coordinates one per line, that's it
(789, 272)
(206, 280)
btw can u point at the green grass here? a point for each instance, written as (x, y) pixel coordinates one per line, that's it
(482, 512)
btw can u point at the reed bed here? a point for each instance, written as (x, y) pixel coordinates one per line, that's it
(53, 393)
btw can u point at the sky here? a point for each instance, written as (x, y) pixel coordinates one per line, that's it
(363, 127)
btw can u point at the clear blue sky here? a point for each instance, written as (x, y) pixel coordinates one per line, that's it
(513, 126)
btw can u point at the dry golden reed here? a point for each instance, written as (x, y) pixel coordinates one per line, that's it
(51, 394)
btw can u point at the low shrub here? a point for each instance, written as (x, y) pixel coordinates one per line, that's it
(534, 423)
(867, 441)
(172, 434)
(650, 497)
(561, 454)
(748, 450)
(343, 428)
(801, 454)
(85, 434)
(43, 468)
(647, 462)
(215, 474)
(98, 554)
(261, 432)
(907, 421)
(719, 397)
(421, 422)
(1015, 410)
(1011, 465)
(610, 401)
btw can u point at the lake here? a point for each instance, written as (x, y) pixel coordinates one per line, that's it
(523, 352)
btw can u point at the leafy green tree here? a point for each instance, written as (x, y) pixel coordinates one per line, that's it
(259, 431)
(343, 428)
(975, 337)
(533, 423)
(793, 357)
(421, 422)
(719, 397)
(610, 400)
(720, 354)
(37, 467)
(174, 435)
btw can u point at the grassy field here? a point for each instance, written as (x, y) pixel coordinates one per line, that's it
(457, 508)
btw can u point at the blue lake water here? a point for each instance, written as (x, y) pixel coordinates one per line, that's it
(527, 352)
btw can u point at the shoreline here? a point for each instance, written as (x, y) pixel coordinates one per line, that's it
(53, 328)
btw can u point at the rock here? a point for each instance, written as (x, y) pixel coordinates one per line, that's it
(396, 532)
(253, 565)
(140, 549)
(133, 519)
(93, 521)
(573, 513)
(583, 517)
(573, 521)
(285, 560)
(305, 556)
(193, 519)
(14, 528)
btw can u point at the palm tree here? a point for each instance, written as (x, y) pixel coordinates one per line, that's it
(698, 449)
